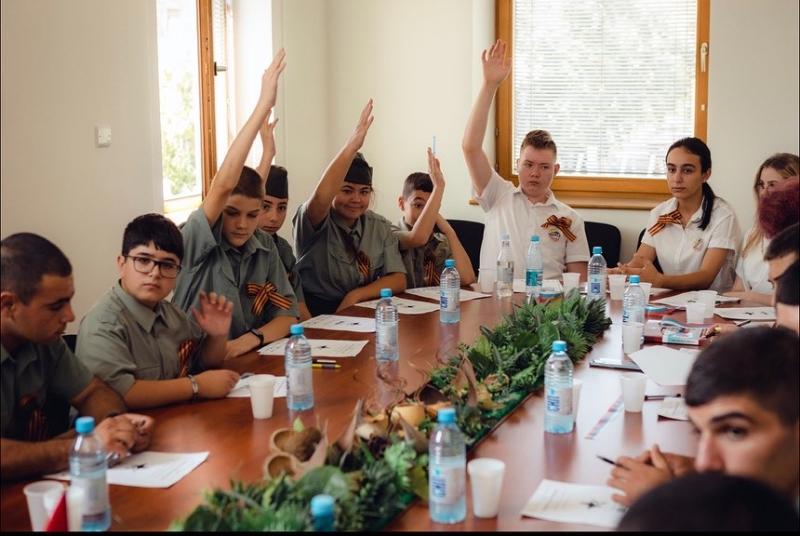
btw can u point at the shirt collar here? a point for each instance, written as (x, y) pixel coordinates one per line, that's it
(143, 315)
(696, 217)
(24, 354)
(356, 230)
(550, 201)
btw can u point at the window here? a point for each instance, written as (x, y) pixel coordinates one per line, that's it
(614, 82)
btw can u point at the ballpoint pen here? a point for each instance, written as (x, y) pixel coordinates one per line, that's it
(326, 365)
(608, 460)
(331, 361)
(661, 397)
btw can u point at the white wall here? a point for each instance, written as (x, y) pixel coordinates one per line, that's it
(66, 67)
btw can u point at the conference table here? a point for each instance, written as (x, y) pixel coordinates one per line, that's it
(238, 444)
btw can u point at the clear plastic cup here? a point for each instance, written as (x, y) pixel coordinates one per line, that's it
(646, 288)
(577, 385)
(42, 497)
(633, 385)
(695, 312)
(709, 299)
(486, 280)
(570, 280)
(632, 337)
(486, 479)
(616, 286)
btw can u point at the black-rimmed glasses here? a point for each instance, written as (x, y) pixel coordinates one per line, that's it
(144, 265)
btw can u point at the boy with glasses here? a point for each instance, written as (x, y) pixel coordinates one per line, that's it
(145, 347)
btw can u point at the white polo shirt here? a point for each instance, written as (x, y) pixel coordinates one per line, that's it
(752, 268)
(681, 250)
(508, 210)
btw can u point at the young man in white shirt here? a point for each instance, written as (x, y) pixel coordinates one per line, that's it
(530, 208)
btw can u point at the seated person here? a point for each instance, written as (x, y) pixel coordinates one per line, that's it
(273, 213)
(710, 502)
(147, 348)
(37, 366)
(530, 208)
(226, 253)
(743, 394)
(424, 251)
(694, 235)
(787, 298)
(346, 253)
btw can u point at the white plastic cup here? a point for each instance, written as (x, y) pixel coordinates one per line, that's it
(570, 280)
(486, 478)
(616, 286)
(632, 337)
(709, 299)
(646, 287)
(76, 498)
(633, 385)
(695, 312)
(261, 395)
(576, 396)
(42, 497)
(486, 280)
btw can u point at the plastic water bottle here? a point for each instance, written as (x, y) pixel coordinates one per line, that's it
(386, 348)
(596, 287)
(447, 464)
(87, 469)
(299, 385)
(633, 302)
(505, 268)
(558, 391)
(534, 266)
(322, 513)
(449, 293)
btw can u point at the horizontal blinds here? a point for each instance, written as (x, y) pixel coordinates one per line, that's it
(613, 81)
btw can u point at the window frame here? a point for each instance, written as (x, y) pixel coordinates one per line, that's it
(205, 55)
(596, 192)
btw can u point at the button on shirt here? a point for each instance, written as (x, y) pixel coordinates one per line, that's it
(414, 258)
(39, 371)
(681, 250)
(326, 261)
(508, 210)
(121, 340)
(211, 264)
(289, 262)
(752, 268)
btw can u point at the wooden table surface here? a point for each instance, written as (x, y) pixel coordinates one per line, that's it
(238, 444)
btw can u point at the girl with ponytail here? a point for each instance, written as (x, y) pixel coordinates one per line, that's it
(694, 234)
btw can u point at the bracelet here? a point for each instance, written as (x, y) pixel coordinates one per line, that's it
(195, 387)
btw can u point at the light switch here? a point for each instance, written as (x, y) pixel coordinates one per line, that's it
(102, 136)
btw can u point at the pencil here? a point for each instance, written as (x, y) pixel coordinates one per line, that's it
(661, 397)
(324, 361)
(608, 460)
(326, 365)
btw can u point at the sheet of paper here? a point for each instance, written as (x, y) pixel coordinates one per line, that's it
(674, 408)
(664, 365)
(149, 469)
(319, 348)
(242, 387)
(654, 291)
(746, 313)
(405, 306)
(432, 293)
(680, 300)
(341, 323)
(565, 502)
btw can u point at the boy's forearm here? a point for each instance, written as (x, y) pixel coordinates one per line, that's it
(21, 459)
(155, 393)
(213, 351)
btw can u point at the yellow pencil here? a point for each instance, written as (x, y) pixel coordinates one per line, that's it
(326, 365)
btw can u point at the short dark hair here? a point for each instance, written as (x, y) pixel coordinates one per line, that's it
(710, 502)
(417, 181)
(155, 228)
(698, 147)
(761, 362)
(787, 286)
(25, 258)
(539, 139)
(250, 184)
(784, 243)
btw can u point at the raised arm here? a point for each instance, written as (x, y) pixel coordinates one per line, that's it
(228, 174)
(496, 68)
(463, 263)
(267, 135)
(421, 231)
(333, 176)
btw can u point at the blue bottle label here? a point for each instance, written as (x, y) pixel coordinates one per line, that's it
(533, 278)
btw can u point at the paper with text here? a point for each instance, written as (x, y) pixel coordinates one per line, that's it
(680, 300)
(746, 313)
(319, 348)
(405, 306)
(341, 323)
(565, 502)
(242, 388)
(432, 293)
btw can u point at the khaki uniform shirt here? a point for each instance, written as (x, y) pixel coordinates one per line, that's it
(438, 247)
(34, 373)
(289, 261)
(326, 260)
(210, 263)
(121, 341)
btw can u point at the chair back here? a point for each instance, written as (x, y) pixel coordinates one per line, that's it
(470, 234)
(607, 236)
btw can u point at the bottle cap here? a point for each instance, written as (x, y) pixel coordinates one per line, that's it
(296, 329)
(446, 416)
(321, 505)
(559, 346)
(597, 250)
(633, 280)
(535, 238)
(386, 293)
(450, 263)
(84, 425)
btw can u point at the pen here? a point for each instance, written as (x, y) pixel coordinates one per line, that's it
(661, 397)
(742, 323)
(326, 365)
(612, 462)
(332, 361)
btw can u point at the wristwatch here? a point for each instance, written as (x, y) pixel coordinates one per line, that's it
(195, 387)
(260, 336)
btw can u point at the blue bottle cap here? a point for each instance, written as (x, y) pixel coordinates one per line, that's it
(559, 346)
(597, 250)
(296, 329)
(450, 263)
(535, 238)
(386, 293)
(633, 280)
(84, 425)
(322, 505)
(446, 416)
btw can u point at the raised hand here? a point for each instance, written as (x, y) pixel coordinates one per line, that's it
(216, 383)
(214, 315)
(496, 66)
(267, 134)
(435, 170)
(360, 133)
(269, 80)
